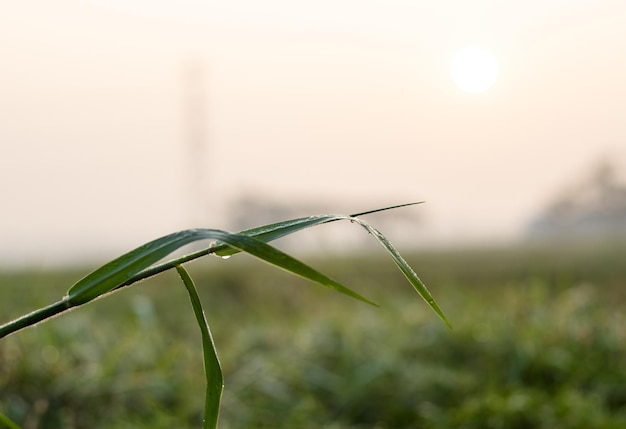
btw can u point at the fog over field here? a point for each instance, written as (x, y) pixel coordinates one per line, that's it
(122, 123)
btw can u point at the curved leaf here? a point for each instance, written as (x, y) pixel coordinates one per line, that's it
(406, 269)
(212, 367)
(277, 230)
(118, 271)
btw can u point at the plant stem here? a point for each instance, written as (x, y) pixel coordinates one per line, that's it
(62, 306)
(34, 317)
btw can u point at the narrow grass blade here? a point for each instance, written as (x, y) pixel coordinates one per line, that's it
(140, 263)
(282, 260)
(212, 367)
(274, 231)
(116, 272)
(397, 206)
(277, 230)
(265, 233)
(406, 269)
(120, 270)
(219, 248)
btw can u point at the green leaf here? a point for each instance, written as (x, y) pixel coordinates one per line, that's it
(212, 367)
(265, 233)
(406, 269)
(277, 230)
(140, 263)
(118, 271)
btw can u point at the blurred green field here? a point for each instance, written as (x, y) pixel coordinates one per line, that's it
(539, 341)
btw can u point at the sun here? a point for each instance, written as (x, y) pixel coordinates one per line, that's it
(474, 69)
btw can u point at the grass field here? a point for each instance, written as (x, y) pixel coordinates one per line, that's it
(539, 341)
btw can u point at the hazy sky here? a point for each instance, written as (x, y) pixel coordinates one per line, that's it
(339, 103)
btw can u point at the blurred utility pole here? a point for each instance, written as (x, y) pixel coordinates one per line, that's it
(196, 141)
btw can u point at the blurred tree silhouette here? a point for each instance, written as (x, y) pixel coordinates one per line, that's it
(592, 208)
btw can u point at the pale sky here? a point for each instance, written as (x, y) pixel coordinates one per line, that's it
(344, 103)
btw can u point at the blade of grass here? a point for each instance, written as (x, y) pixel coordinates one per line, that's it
(274, 231)
(119, 271)
(212, 367)
(265, 233)
(137, 264)
(129, 268)
(406, 269)
(282, 260)
(277, 230)
(116, 272)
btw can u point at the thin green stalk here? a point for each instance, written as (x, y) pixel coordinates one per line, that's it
(212, 367)
(63, 305)
(34, 317)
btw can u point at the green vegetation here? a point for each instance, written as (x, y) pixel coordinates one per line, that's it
(538, 342)
(139, 264)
